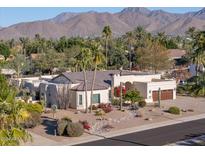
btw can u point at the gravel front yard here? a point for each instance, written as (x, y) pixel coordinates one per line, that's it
(116, 119)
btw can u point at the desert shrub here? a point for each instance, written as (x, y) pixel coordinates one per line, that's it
(174, 110)
(42, 103)
(115, 102)
(75, 129)
(99, 112)
(66, 119)
(105, 107)
(94, 107)
(61, 127)
(142, 104)
(34, 107)
(32, 121)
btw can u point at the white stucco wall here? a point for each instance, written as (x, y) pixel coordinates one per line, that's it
(104, 97)
(131, 78)
(163, 85)
(146, 88)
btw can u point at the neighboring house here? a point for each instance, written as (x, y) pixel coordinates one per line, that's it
(32, 84)
(176, 54)
(68, 89)
(180, 69)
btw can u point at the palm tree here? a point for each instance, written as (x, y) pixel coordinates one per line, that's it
(130, 40)
(98, 58)
(197, 54)
(24, 41)
(107, 33)
(84, 60)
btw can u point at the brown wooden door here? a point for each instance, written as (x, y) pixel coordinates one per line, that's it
(155, 95)
(165, 95)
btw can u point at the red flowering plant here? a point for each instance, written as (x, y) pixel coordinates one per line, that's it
(105, 107)
(117, 91)
(85, 124)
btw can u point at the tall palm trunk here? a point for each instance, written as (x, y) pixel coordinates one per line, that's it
(93, 83)
(86, 91)
(197, 69)
(106, 42)
(130, 63)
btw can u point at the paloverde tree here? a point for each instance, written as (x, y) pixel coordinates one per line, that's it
(153, 56)
(106, 33)
(20, 64)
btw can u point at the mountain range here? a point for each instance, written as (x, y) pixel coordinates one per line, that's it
(90, 24)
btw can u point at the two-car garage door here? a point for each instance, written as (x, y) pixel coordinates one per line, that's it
(165, 94)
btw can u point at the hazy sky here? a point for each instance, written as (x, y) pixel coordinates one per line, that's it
(9, 16)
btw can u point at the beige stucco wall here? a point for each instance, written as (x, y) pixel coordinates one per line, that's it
(73, 99)
(142, 88)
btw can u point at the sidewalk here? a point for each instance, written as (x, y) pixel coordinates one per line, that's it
(40, 140)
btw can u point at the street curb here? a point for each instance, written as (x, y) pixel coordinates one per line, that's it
(137, 129)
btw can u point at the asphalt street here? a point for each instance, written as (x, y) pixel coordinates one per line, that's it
(155, 137)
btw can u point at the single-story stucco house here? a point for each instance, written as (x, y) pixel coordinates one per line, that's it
(68, 89)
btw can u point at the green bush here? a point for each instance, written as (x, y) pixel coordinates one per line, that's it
(174, 110)
(142, 104)
(180, 90)
(42, 103)
(61, 127)
(33, 120)
(4, 50)
(133, 96)
(75, 129)
(34, 107)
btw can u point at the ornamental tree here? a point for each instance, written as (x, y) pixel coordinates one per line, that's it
(133, 96)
